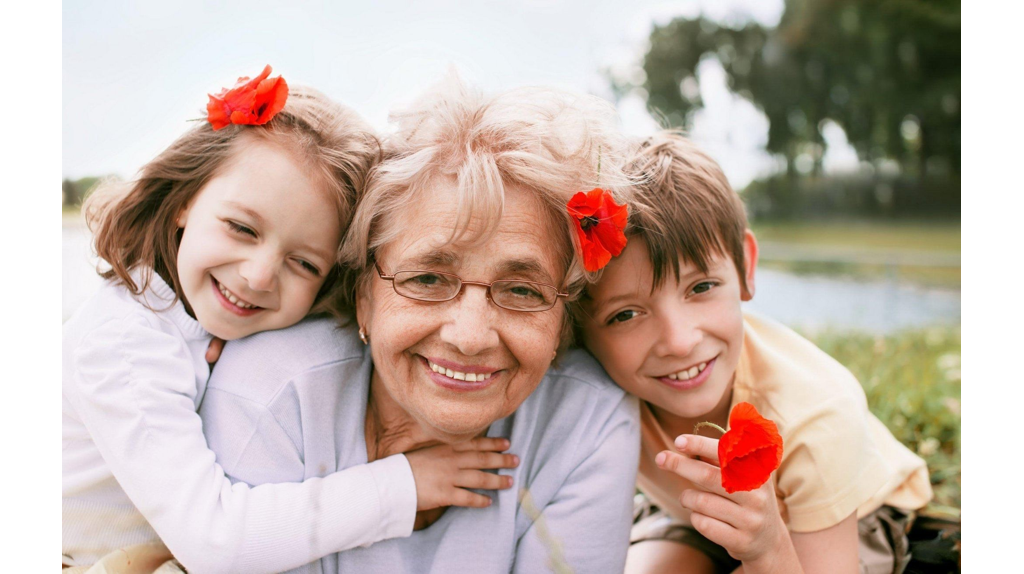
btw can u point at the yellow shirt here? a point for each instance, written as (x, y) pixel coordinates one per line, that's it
(837, 457)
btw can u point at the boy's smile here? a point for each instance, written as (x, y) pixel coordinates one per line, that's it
(675, 346)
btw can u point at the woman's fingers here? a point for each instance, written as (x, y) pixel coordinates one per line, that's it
(482, 480)
(483, 443)
(700, 473)
(484, 459)
(702, 446)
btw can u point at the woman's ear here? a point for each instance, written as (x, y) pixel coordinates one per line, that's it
(750, 262)
(364, 306)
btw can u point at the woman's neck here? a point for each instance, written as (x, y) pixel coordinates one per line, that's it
(389, 429)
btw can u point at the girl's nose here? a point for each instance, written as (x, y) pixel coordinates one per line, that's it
(260, 273)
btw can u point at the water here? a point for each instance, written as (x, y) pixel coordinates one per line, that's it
(808, 302)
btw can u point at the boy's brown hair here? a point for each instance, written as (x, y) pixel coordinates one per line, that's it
(684, 208)
(135, 223)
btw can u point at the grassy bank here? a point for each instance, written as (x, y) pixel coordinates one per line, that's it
(912, 382)
(838, 246)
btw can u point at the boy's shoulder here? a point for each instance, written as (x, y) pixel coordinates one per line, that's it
(789, 373)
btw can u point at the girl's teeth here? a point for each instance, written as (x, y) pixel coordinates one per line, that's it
(459, 376)
(231, 297)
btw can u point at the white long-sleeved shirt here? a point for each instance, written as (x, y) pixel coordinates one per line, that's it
(137, 468)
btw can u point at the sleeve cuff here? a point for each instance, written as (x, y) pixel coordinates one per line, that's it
(396, 489)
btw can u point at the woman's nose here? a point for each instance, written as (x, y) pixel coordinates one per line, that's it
(470, 322)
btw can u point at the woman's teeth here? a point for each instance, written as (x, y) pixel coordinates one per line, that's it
(234, 300)
(688, 374)
(468, 377)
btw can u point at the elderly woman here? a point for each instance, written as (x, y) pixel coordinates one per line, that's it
(463, 257)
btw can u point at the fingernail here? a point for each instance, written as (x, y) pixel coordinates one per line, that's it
(505, 443)
(681, 442)
(515, 460)
(660, 459)
(508, 481)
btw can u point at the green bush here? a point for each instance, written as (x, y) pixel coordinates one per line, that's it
(912, 382)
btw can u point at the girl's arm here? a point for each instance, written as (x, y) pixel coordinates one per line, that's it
(749, 525)
(134, 389)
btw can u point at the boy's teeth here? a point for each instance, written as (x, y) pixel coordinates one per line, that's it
(689, 373)
(459, 376)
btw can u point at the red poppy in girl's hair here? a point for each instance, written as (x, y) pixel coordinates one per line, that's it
(599, 224)
(750, 451)
(251, 102)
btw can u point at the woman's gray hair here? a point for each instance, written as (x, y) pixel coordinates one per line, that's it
(550, 142)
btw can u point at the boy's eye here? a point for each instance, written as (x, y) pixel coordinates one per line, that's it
(622, 316)
(703, 287)
(239, 228)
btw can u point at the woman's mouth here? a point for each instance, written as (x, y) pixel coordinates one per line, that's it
(689, 378)
(232, 302)
(469, 378)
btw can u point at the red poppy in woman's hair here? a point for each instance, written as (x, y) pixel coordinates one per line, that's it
(599, 224)
(750, 451)
(251, 102)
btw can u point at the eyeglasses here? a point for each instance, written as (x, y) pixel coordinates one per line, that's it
(434, 286)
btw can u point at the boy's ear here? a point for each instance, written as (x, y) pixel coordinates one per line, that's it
(750, 261)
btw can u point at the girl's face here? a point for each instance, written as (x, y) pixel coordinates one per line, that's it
(258, 241)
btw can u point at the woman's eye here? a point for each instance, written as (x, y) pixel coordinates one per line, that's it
(239, 228)
(704, 287)
(524, 291)
(622, 316)
(427, 279)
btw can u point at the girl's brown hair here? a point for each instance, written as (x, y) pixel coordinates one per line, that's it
(135, 223)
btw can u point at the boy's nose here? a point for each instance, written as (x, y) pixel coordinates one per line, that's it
(678, 338)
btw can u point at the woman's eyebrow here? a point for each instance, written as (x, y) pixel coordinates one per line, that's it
(440, 258)
(525, 266)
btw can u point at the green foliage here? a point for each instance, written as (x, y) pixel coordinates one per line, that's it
(912, 382)
(887, 72)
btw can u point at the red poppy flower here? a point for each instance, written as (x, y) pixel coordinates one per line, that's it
(750, 451)
(251, 102)
(600, 223)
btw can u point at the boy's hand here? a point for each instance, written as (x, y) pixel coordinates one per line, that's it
(443, 473)
(747, 524)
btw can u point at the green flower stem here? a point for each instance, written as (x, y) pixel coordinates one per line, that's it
(701, 425)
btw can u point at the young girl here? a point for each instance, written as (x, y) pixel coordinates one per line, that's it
(665, 320)
(232, 230)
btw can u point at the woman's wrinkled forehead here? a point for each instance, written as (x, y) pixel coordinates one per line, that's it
(516, 238)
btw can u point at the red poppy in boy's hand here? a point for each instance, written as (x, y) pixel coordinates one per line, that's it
(750, 451)
(600, 223)
(251, 102)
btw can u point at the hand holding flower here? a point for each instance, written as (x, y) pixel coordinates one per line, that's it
(746, 523)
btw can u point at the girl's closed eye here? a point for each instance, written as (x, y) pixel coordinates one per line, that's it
(241, 229)
(309, 267)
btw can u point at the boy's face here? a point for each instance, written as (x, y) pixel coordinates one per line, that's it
(677, 347)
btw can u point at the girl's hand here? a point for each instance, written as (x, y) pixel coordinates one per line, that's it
(747, 524)
(443, 473)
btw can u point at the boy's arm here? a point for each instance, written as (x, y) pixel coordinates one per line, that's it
(586, 525)
(834, 549)
(134, 390)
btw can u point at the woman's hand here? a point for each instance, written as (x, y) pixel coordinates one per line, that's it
(443, 473)
(747, 524)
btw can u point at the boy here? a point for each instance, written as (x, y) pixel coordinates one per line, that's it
(666, 323)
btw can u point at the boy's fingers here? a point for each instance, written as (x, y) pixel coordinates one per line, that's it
(712, 505)
(704, 447)
(713, 529)
(700, 473)
(481, 459)
(461, 497)
(482, 480)
(485, 443)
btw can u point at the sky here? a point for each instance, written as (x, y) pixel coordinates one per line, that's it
(134, 73)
